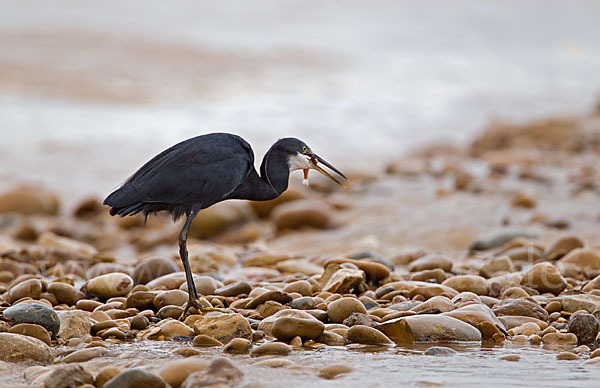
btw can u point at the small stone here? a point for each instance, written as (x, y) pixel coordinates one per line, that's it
(500, 237)
(205, 285)
(139, 322)
(74, 324)
(224, 327)
(497, 265)
(585, 326)
(238, 346)
(585, 259)
(170, 298)
(276, 295)
(344, 280)
(206, 341)
(441, 303)
(29, 200)
(153, 268)
(429, 262)
(69, 376)
(220, 373)
(31, 288)
(359, 319)
(286, 328)
(65, 293)
(511, 357)
(595, 353)
(439, 351)
(524, 200)
(429, 328)
(438, 275)
(106, 374)
(332, 371)
(32, 330)
(16, 347)
(341, 309)
(110, 285)
(187, 352)
(303, 303)
(113, 332)
(271, 348)
(575, 303)
(175, 372)
(554, 306)
(567, 356)
(274, 363)
(302, 213)
(174, 328)
(544, 277)
(34, 313)
(521, 307)
(367, 335)
(296, 342)
(234, 289)
(332, 339)
(559, 339)
(84, 355)
(302, 287)
(563, 246)
(135, 378)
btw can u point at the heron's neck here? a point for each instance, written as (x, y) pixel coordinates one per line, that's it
(273, 180)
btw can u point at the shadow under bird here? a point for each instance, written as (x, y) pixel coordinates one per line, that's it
(201, 171)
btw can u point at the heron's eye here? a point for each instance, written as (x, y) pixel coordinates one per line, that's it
(305, 150)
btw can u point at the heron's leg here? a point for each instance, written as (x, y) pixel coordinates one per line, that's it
(183, 253)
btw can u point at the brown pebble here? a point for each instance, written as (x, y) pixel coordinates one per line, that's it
(332, 371)
(511, 357)
(271, 348)
(32, 330)
(238, 346)
(568, 356)
(206, 341)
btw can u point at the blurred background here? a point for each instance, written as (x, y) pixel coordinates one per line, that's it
(90, 90)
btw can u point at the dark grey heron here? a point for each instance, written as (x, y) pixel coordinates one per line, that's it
(201, 171)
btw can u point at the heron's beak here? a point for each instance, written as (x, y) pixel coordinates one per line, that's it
(313, 159)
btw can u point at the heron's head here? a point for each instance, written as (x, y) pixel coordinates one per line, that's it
(301, 157)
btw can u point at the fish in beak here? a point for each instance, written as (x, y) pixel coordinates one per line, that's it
(313, 160)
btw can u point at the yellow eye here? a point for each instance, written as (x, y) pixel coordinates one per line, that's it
(305, 150)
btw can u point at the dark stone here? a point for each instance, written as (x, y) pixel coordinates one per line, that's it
(521, 307)
(135, 378)
(34, 313)
(234, 289)
(439, 351)
(584, 326)
(500, 237)
(319, 314)
(69, 376)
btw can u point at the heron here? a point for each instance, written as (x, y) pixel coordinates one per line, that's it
(201, 171)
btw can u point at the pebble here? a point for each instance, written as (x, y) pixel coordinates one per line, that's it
(303, 303)
(521, 307)
(567, 356)
(271, 348)
(175, 372)
(481, 317)
(374, 271)
(333, 339)
(238, 346)
(206, 341)
(221, 372)
(187, 352)
(34, 313)
(32, 330)
(135, 378)
(563, 246)
(172, 328)
(471, 283)
(559, 339)
(69, 376)
(274, 363)
(286, 328)
(495, 265)
(343, 280)
(234, 289)
(302, 287)
(341, 309)
(330, 372)
(439, 351)
(152, 268)
(84, 355)
(110, 285)
(582, 258)
(360, 319)
(106, 374)
(31, 288)
(429, 328)
(585, 326)
(437, 274)
(500, 237)
(511, 357)
(301, 213)
(65, 293)
(16, 347)
(224, 327)
(74, 324)
(29, 200)
(430, 262)
(441, 303)
(170, 298)
(367, 335)
(544, 277)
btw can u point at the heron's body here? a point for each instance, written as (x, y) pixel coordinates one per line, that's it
(201, 171)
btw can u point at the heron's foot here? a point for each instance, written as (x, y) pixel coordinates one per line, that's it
(192, 304)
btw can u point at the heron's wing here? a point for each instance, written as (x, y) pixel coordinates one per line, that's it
(189, 173)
